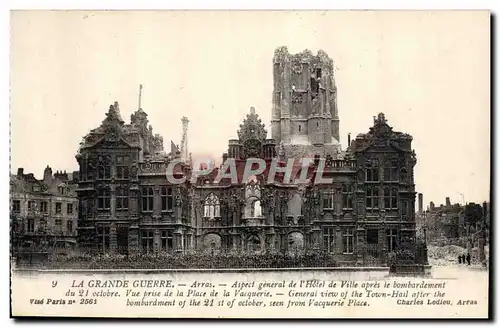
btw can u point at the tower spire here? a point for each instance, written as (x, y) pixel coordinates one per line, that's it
(140, 94)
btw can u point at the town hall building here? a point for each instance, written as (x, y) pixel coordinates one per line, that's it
(127, 204)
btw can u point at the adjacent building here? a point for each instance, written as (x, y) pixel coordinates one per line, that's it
(44, 212)
(127, 204)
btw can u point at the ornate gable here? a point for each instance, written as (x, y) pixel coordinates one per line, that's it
(382, 137)
(251, 135)
(252, 127)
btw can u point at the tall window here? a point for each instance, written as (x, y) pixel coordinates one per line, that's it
(122, 170)
(43, 207)
(69, 226)
(103, 238)
(404, 208)
(348, 240)
(121, 198)
(372, 171)
(328, 199)
(31, 205)
(58, 207)
(390, 198)
(167, 240)
(347, 196)
(391, 171)
(147, 241)
(16, 206)
(212, 207)
(147, 199)
(372, 198)
(103, 171)
(31, 225)
(329, 239)
(69, 208)
(392, 239)
(103, 199)
(167, 199)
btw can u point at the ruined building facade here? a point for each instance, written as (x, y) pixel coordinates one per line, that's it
(44, 212)
(127, 204)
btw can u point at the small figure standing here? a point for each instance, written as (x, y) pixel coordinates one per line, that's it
(463, 258)
(460, 259)
(468, 259)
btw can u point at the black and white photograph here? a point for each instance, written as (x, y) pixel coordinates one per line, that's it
(250, 164)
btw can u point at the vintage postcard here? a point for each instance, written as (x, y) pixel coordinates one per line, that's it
(250, 164)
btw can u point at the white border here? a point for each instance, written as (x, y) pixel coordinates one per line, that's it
(7, 5)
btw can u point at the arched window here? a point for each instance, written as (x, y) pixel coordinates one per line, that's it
(212, 207)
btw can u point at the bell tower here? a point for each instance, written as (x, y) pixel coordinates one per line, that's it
(304, 112)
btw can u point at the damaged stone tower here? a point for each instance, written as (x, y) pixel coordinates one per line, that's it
(304, 116)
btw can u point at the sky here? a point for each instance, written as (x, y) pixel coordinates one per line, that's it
(428, 72)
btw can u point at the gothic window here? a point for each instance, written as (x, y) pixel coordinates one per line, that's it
(390, 198)
(167, 240)
(372, 197)
(371, 169)
(212, 206)
(328, 199)
(167, 199)
(31, 205)
(122, 169)
(329, 239)
(121, 198)
(392, 240)
(347, 195)
(58, 207)
(103, 238)
(348, 240)
(147, 199)
(103, 199)
(391, 171)
(147, 241)
(103, 172)
(69, 208)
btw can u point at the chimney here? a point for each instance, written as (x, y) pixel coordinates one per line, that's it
(448, 203)
(432, 206)
(485, 209)
(20, 172)
(420, 202)
(348, 139)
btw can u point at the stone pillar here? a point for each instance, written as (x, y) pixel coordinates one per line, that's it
(113, 246)
(339, 246)
(157, 241)
(112, 202)
(360, 248)
(316, 231)
(178, 240)
(156, 202)
(382, 242)
(133, 240)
